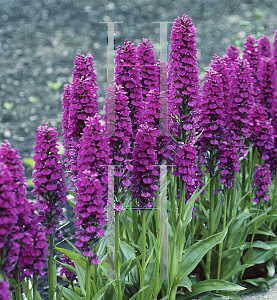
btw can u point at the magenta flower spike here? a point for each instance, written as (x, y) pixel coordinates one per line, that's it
(267, 84)
(184, 87)
(264, 46)
(241, 101)
(232, 53)
(9, 210)
(128, 76)
(262, 180)
(92, 183)
(120, 142)
(49, 179)
(274, 54)
(145, 174)
(185, 166)
(79, 102)
(148, 67)
(26, 225)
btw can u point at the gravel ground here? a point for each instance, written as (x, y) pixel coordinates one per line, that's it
(40, 39)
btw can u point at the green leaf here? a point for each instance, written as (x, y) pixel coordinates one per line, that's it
(260, 256)
(81, 274)
(29, 161)
(262, 286)
(142, 289)
(233, 295)
(236, 270)
(33, 99)
(59, 297)
(69, 294)
(193, 255)
(270, 268)
(212, 285)
(8, 105)
(100, 292)
(71, 202)
(55, 85)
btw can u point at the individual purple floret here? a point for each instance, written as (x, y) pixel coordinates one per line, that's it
(79, 102)
(49, 179)
(145, 174)
(252, 54)
(232, 53)
(4, 290)
(184, 87)
(262, 180)
(267, 83)
(264, 46)
(92, 183)
(68, 274)
(148, 67)
(128, 76)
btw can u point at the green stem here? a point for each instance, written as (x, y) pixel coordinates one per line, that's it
(51, 281)
(155, 294)
(143, 251)
(135, 233)
(34, 286)
(171, 277)
(117, 255)
(87, 278)
(211, 222)
(18, 295)
(221, 244)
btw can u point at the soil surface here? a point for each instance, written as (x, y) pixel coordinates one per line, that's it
(40, 39)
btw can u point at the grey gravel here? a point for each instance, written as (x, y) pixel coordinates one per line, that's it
(39, 40)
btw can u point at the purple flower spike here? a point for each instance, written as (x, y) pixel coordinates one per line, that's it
(262, 180)
(252, 54)
(265, 46)
(128, 76)
(232, 53)
(241, 102)
(120, 142)
(267, 83)
(149, 70)
(145, 174)
(49, 179)
(79, 102)
(184, 88)
(186, 167)
(275, 48)
(9, 248)
(92, 183)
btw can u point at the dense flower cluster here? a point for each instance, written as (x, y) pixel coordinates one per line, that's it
(232, 53)
(49, 179)
(262, 180)
(264, 46)
(186, 166)
(128, 76)
(33, 255)
(68, 274)
(145, 173)
(120, 142)
(251, 53)
(79, 102)
(274, 54)
(184, 88)
(267, 83)
(94, 156)
(148, 67)
(241, 102)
